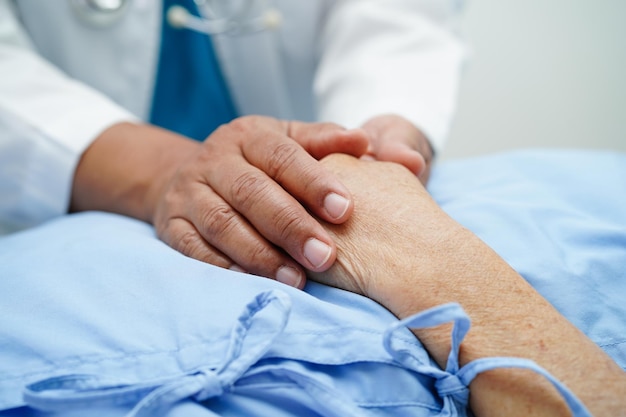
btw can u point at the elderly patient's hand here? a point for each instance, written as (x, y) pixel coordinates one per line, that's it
(400, 249)
(396, 232)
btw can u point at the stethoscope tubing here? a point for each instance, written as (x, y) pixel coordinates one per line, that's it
(101, 13)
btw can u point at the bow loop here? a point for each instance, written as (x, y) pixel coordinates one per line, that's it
(452, 385)
(453, 382)
(210, 385)
(261, 322)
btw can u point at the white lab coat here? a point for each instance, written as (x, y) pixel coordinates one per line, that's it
(63, 81)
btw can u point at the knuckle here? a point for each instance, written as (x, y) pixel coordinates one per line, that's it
(239, 124)
(218, 221)
(190, 243)
(283, 156)
(212, 155)
(171, 197)
(187, 243)
(245, 189)
(207, 155)
(312, 130)
(290, 224)
(262, 258)
(245, 123)
(233, 131)
(330, 126)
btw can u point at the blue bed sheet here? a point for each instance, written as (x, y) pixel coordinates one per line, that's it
(95, 305)
(559, 218)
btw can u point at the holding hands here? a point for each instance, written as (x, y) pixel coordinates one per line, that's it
(244, 198)
(239, 200)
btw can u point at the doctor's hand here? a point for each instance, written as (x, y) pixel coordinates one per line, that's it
(240, 200)
(395, 139)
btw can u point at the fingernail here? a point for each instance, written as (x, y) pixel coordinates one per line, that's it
(316, 252)
(289, 276)
(237, 268)
(336, 205)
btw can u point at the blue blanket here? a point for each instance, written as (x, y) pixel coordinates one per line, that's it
(97, 314)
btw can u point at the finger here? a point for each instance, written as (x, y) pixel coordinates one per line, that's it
(273, 212)
(396, 139)
(180, 234)
(301, 175)
(402, 154)
(228, 231)
(323, 139)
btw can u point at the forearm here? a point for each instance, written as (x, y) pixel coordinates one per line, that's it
(509, 318)
(126, 167)
(400, 249)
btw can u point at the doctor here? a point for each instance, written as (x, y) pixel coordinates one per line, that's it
(100, 101)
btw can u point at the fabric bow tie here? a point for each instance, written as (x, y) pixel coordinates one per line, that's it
(261, 322)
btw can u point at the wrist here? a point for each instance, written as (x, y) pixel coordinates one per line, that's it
(126, 169)
(433, 271)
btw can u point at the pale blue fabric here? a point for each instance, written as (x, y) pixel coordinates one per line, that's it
(452, 383)
(559, 218)
(96, 301)
(99, 318)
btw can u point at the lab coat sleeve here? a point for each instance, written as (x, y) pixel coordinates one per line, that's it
(391, 56)
(46, 121)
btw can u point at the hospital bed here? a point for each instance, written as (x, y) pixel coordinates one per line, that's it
(100, 318)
